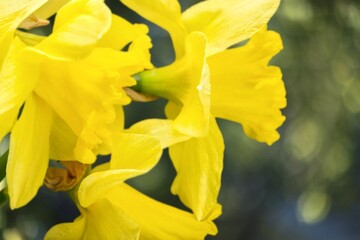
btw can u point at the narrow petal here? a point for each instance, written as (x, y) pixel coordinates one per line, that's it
(248, 91)
(161, 129)
(126, 162)
(199, 163)
(226, 23)
(159, 221)
(16, 84)
(29, 152)
(164, 13)
(12, 14)
(102, 220)
(78, 27)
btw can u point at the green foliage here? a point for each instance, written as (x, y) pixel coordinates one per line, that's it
(3, 161)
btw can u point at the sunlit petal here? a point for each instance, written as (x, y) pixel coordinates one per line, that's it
(102, 220)
(121, 32)
(29, 152)
(199, 163)
(50, 8)
(246, 90)
(108, 221)
(78, 27)
(127, 161)
(126, 154)
(67, 231)
(12, 14)
(164, 13)
(226, 23)
(161, 129)
(16, 85)
(159, 221)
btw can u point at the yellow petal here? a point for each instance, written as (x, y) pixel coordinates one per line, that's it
(102, 220)
(16, 85)
(164, 13)
(108, 221)
(160, 129)
(50, 8)
(199, 163)
(84, 94)
(121, 33)
(226, 23)
(62, 140)
(67, 231)
(78, 27)
(126, 162)
(29, 39)
(186, 82)
(12, 14)
(29, 152)
(158, 220)
(96, 185)
(141, 46)
(135, 151)
(118, 124)
(248, 91)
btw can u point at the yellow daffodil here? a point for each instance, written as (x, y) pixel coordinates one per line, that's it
(208, 81)
(203, 30)
(71, 91)
(111, 209)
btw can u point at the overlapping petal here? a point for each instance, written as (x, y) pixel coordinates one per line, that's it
(199, 163)
(226, 23)
(78, 26)
(102, 220)
(62, 140)
(159, 221)
(121, 33)
(95, 84)
(186, 83)
(50, 8)
(16, 84)
(161, 129)
(127, 161)
(164, 13)
(29, 152)
(12, 14)
(246, 90)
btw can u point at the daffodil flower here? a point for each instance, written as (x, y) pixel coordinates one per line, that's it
(111, 209)
(71, 92)
(207, 80)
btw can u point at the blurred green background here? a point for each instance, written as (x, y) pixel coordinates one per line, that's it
(305, 186)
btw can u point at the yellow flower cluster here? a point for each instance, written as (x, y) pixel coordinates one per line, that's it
(62, 96)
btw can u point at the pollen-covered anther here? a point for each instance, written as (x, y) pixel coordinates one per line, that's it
(64, 179)
(33, 21)
(139, 97)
